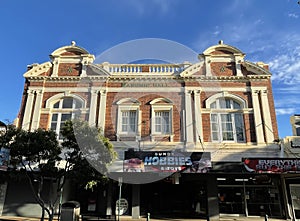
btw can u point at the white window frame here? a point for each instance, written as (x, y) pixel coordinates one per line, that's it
(218, 110)
(128, 122)
(156, 106)
(127, 105)
(74, 111)
(163, 125)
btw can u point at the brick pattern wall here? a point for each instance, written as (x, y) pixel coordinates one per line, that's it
(223, 68)
(145, 107)
(217, 68)
(65, 69)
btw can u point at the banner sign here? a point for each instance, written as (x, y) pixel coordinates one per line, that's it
(272, 165)
(4, 158)
(166, 161)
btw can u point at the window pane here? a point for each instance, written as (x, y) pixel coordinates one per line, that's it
(54, 117)
(215, 136)
(132, 121)
(227, 103)
(65, 117)
(213, 105)
(236, 105)
(53, 126)
(227, 129)
(56, 105)
(214, 127)
(129, 121)
(214, 117)
(162, 122)
(222, 103)
(67, 103)
(239, 127)
(77, 104)
(228, 136)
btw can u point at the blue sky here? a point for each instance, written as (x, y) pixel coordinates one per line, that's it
(266, 30)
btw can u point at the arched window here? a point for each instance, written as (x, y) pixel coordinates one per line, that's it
(62, 110)
(227, 123)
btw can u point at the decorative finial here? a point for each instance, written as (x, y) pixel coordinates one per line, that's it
(73, 43)
(220, 42)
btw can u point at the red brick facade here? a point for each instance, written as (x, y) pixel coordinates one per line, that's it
(222, 75)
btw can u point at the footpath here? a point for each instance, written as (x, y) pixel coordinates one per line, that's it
(128, 218)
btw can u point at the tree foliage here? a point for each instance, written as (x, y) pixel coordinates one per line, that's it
(83, 157)
(88, 152)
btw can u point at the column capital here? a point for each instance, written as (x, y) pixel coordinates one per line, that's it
(103, 92)
(197, 92)
(30, 92)
(255, 91)
(40, 91)
(94, 91)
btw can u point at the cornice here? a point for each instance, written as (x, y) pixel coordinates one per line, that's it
(255, 68)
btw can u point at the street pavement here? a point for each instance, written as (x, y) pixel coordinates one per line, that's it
(128, 218)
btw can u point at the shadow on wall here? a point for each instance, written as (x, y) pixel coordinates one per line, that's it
(19, 200)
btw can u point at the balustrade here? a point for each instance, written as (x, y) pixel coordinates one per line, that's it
(144, 68)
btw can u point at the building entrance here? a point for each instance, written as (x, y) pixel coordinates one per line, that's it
(249, 196)
(165, 199)
(295, 195)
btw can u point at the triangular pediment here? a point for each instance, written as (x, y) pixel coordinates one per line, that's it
(36, 70)
(96, 70)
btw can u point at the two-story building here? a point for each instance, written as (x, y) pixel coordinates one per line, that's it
(220, 109)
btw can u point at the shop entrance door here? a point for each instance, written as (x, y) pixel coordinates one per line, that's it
(295, 195)
(231, 200)
(166, 200)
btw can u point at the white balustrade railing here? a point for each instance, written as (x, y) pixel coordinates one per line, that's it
(143, 68)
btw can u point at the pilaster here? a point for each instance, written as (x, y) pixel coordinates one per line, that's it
(37, 110)
(238, 60)
(102, 110)
(28, 110)
(257, 116)
(93, 107)
(198, 116)
(55, 67)
(267, 116)
(189, 117)
(207, 65)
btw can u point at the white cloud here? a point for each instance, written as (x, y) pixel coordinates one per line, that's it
(286, 100)
(285, 65)
(145, 7)
(293, 15)
(285, 111)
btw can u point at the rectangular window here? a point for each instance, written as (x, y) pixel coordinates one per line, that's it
(214, 127)
(58, 121)
(162, 122)
(227, 129)
(129, 121)
(239, 127)
(54, 122)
